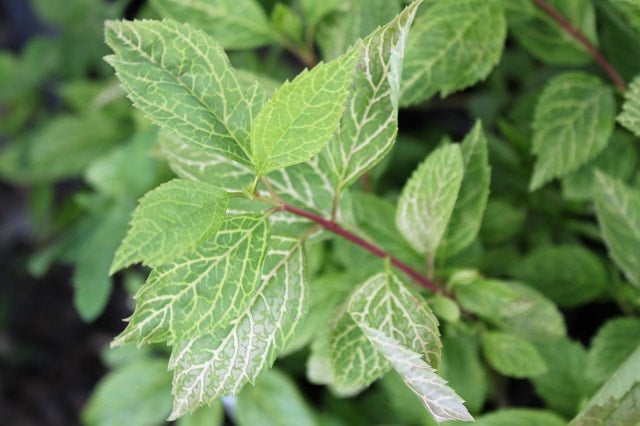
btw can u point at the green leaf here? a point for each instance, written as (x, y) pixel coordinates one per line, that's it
(370, 121)
(203, 289)
(616, 403)
(520, 417)
(511, 355)
(630, 9)
(302, 116)
(501, 222)
(181, 79)
(235, 24)
(544, 37)
(618, 160)
(220, 363)
(464, 370)
(573, 121)
(355, 19)
(441, 401)
(354, 361)
(189, 162)
(612, 344)
(466, 217)
(174, 218)
(204, 416)
(376, 217)
(428, 199)
(385, 303)
(93, 254)
(286, 22)
(326, 293)
(513, 307)
(112, 173)
(618, 211)
(314, 11)
(570, 275)
(564, 386)
(136, 393)
(630, 116)
(453, 45)
(274, 400)
(37, 157)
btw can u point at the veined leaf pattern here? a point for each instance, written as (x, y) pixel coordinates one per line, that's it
(355, 362)
(174, 218)
(442, 402)
(387, 304)
(301, 117)
(181, 79)
(204, 289)
(235, 24)
(428, 199)
(453, 44)
(220, 363)
(573, 121)
(370, 121)
(618, 211)
(630, 116)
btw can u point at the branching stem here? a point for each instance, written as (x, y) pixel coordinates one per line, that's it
(337, 229)
(593, 51)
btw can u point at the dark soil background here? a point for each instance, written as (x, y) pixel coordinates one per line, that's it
(49, 358)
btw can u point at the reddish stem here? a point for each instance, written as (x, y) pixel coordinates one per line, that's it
(566, 25)
(337, 229)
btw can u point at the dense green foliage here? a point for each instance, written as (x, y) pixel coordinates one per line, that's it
(285, 216)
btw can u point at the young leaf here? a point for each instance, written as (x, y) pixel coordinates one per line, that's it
(385, 303)
(370, 121)
(466, 217)
(428, 199)
(203, 289)
(618, 211)
(573, 120)
(441, 401)
(354, 19)
(544, 38)
(136, 393)
(235, 24)
(174, 218)
(220, 363)
(511, 355)
(613, 343)
(616, 403)
(453, 45)
(302, 116)
(630, 116)
(570, 275)
(274, 400)
(181, 79)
